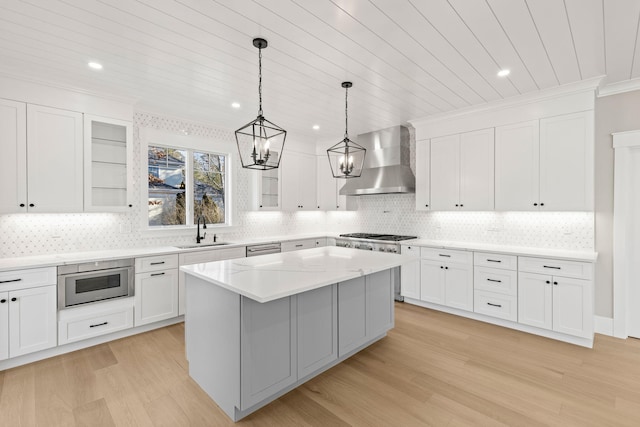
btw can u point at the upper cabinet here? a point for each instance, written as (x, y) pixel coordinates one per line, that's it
(462, 171)
(546, 164)
(298, 182)
(44, 146)
(266, 188)
(423, 179)
(328, 189)
(108, 157)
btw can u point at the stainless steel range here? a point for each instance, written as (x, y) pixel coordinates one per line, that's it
(376, 242)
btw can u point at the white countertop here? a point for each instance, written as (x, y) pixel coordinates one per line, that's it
(270, 277)
(585, 256)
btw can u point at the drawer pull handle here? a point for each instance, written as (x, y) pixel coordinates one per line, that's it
(448, 256)
(494, 280)
(98, 324)
(550, 266)
(157, 263)
(9, 281)
(493, 260)
(494, 305)
(157, 274)
(299, 246)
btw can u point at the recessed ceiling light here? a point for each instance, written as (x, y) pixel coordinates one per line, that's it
(95, 65)
(316, 127)
(235, 104)
(504, 73)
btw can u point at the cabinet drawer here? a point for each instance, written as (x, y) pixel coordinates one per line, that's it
(496, 305)
(495, 280)
(30, 278)
(80, 328)
(414, 251)
(198, 257)
(155, 263)
(231, 253)
(579, 270)
(486, 259)
(447, 255)
(297, 245)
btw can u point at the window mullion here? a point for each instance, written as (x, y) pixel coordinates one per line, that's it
(189, 188)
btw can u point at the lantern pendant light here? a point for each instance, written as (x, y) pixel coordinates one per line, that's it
(260, 142)
(346, 157)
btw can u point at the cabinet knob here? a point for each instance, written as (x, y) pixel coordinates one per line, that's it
(461, 205)
(446, 268)
(555, 283)
(541, 204)
(130, 206)
(426, 206)
(2, 301)
(31, 205)
(442, 266)
(260, 205)
(547, 282)
(22, 205)
(456, 205)
(535, 204)
(14, 299)
(318, 207)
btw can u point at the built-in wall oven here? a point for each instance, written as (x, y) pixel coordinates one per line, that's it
(94, 281)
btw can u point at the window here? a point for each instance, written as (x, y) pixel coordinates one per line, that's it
(184, 185)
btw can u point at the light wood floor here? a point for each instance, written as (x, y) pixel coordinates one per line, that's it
(432, 369)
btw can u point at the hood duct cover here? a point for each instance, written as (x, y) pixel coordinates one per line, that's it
(386, 165)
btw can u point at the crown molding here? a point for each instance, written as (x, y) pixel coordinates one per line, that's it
(619, 87)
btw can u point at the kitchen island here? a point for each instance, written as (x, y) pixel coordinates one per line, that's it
(256, 328)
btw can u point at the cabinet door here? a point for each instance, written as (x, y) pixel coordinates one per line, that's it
(13, 138)
(54, 153)
(566, 162)
(410, 273)
(317, 329)
(352, 312)
(432, 281)
(306, 182)
(267, 186)
(517, 167)
(476, 171)
(326, 187)
(4, 325)
(459, 286)
(268, 360)
(32, 320)
(445, 173)
(380, 308)
(156, 296)
(535, 296)
(108, 157)
(572, 306)
(423, 167)
(290, 183)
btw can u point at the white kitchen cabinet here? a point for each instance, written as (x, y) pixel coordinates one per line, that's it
(198, 257)
(462, 172)
(561, 304)
(546, 164)
(299, 182)
(380, 305)
(423, 176)
(54, 172)
(92, 320)
(495, 285)
(32, 320)
(13, 134)
(446, 277)
(297, 245)
(156, 289)
(321, 242)
(108, 163)
(328, 189)
(410, 273)
(43, 170)
(268, 345)
(266, 189)
(317, 329)
(4, 325)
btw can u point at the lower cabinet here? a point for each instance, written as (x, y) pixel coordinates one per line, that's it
(410, 273)
(317, 329)
(27, 321)
(156, 293)
(447, 283)
(92, 320)
(561, 304)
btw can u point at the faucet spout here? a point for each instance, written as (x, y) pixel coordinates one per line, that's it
(204, 226)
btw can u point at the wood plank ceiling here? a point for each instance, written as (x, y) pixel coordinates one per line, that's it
(407, 58)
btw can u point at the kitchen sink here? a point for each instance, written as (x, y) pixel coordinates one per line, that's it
(202, 245)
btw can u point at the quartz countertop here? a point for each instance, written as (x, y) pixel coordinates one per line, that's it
(270, 277)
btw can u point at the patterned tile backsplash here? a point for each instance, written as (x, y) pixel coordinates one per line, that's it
(37, 234)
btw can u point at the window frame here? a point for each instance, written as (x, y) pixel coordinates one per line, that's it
(190, 144)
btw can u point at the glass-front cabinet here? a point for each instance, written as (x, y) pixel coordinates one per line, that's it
(266, 189)
(108, 154)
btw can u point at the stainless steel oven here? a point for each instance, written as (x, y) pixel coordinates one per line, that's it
(94, 281)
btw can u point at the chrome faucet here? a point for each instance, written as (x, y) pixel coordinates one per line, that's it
(204, 226)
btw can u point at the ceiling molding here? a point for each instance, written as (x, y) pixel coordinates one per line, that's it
(620, 87)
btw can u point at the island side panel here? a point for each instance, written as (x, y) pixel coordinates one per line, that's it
(212, 335)
(380, 306)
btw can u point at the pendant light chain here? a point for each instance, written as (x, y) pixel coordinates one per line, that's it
(346, 113)
(260, 80)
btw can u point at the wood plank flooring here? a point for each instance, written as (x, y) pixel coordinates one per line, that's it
(433, 369)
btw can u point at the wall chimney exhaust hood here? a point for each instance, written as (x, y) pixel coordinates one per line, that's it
(386, 166)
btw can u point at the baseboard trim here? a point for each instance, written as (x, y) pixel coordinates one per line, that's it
(603, 325)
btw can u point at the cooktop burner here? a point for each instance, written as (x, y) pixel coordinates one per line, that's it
(371, 236)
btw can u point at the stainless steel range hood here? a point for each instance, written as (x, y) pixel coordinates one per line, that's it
(386, 165)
